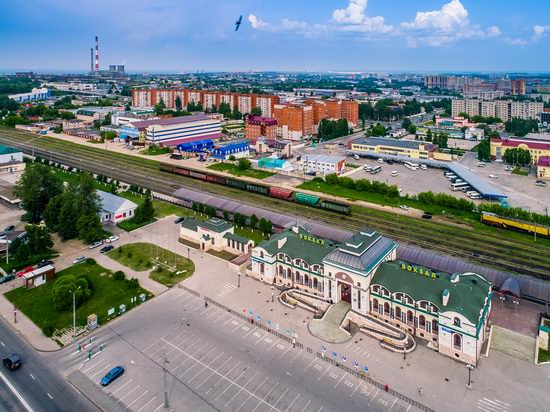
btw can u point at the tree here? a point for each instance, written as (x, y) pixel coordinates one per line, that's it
(178, 103)
(253, 221)
(90, 228)
(406, 123)
(65, 286)
(376, 130)
(39, 240)
(236, 114)
(107, 120)
(256, 111)
(146, 211)
(224, 109)
(411, 129)
(265, 226)
(19, 252)
(36, 187)
(67, 115)
(520, 127)
(159, 107)
(244, 164)
(520, 157)
(429, 135)
(484, 150)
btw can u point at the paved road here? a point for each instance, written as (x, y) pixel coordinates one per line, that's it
(39, 385)
(216, 361)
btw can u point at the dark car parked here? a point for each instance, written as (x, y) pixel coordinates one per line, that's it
(6, 278)
(179, 220)
(112, 375)
(44, 263)
(106, 249)
(10, 228)
(13, 361)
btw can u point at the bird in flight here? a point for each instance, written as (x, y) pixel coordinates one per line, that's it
(238, 23)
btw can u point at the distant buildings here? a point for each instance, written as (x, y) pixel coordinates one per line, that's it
(34, 95)
(11, 160)
(259, 126)
(294, 120)
(244, 103)
(503, 109)
(517, 87)
(173, 131)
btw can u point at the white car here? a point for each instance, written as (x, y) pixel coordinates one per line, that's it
(481, 164)
(79, 259)
(380, 161)
(492, 176)
(96, 244)
(111, 239)
(394, 173)
(424, 167)
(404, 207)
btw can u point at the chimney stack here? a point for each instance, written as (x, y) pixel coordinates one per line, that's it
(96, 68)
(91, 60)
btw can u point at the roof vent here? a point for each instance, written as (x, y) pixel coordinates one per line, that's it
(281, 242)
(445, 297)
(455, 278)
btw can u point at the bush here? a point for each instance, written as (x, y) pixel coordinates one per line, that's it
(64, 287)
(160, 269)
(148, 264)
(48, 329)
(119, 275)
(129, 255)
(90, 261)
(119, 250)
(132, 283)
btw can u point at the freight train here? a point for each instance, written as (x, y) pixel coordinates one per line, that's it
(271, 191)
(514, 224)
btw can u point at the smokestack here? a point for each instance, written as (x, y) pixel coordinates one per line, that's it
(91, 59)
(96, 54)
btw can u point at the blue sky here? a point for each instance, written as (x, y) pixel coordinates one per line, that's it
(314, 35)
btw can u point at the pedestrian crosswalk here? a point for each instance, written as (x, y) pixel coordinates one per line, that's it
(226, 288)
(492, 405)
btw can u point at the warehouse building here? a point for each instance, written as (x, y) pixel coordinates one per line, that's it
(323, 164)
(115, 209)
(407, 148)
(449, 310)
(34, 95)
(235, 149)
(173, 131)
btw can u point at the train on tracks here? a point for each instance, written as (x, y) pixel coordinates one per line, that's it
(515, 224)
(271, 191)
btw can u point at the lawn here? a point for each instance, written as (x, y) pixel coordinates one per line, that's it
(155, 151)
(520, 171)
(37, 303)
(544, 355)
(171, 267)
(235, 171)
(256, 235)
(73, 178)
(162, 209)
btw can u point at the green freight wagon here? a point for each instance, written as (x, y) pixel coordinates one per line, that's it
(239, 184)
(257, 188)
(336, 207)
(305, 199)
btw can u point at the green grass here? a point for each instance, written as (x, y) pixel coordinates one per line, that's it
(235, 171)
(155, 151)
(73, 178)
(255, 235)
(162, 209)
(37, 303)
(544, 355)
(130, 224)
(143, 256)
(520, 171)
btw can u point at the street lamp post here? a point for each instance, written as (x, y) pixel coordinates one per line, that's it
(470, 369)
(74, 312)
(238, 279)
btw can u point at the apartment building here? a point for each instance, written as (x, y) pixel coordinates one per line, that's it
(517, 87)
(294, 121)
(259, 126)
(503, 109)
(334, 109)
(147, 98)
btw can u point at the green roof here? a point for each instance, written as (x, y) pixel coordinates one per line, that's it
(190, 224)
(466, 296)
(215, 225)
(301, 245)
(238, 238)
(7, 150)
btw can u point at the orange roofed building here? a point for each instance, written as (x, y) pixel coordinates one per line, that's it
(294, 120)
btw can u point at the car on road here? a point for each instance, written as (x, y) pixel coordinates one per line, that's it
(492, 176)
(44, 263)
(389, 161)
(112, 375)
(6, 278)
(394, 173)
(356, 157)
(481, 164)
(106, 249)
(79, 259)
(179, 220)
(111, 239)
(508, 168)
(404, 207)
(540, 183)
(96, 244)
(427, 215)
(26, 270)
(9, 228)
(13, 361)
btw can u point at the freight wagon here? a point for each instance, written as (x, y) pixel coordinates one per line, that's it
(514, 224)
(275, 192)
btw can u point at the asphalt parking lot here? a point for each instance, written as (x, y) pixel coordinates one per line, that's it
(218, 361)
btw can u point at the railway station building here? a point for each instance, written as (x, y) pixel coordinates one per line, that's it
(448, 310)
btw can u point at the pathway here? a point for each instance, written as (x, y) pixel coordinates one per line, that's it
(329, 327)
(514, 344)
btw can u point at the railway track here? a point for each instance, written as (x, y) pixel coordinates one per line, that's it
(532, 259)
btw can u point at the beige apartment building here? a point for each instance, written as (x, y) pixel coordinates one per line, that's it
(503, 109)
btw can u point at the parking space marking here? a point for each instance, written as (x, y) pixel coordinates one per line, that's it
(127, 383)
(277, 341)
(240, 390)
(284, 353)
(307, 404)
(232, 319)
(266, 396)
(164, 347)
(268, 340)
(249, 396)
(187, 300)
(231, 382)
(155, 342)
(343, 376)
(251, 330)
(209, 376)
(240, 324)
(382, 401)
(222, 377)
(324, 372)
(284, 393)
(213, 313)
(99, 371)
(318, 367)
(202, 370)
(132, 391)
(93, 366)
(222, 315)
(150, 400)
(374, 396)
(198, 307)
(295, 356)
(308, 366)
(279, 346)
(160, 406)
(185, 360)
(196, 362)
(333, 375)
(348, 384)
(395, 400)
(135, 400)
(295, 399)
(357, 387)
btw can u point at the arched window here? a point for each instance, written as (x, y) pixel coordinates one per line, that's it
(261, 254)
(409, 316)
(434, 326)
(422, 321)
(306, 280)
(457, 341)
(262, 268)
(281, 271)
(288, 273)
(457, 322)
(298, 277)
(386, 309)
(315, 283)
(375, 305)
(398, 312)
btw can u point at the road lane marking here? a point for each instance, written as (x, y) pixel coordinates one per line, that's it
(202, 370)
(17, 394)
(49, 396)
(289, 406)
(284, 393)
(150, 400)
(135, 400)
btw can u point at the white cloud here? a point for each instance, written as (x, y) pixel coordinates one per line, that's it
(354, 13)
(450, 17)
(493, 31)
(256, 22)
(354, 19)
(540, 31)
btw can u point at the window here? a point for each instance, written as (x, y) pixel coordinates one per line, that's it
(434, 326)
(398, 296)
(261, 254)
(457, 341)
(376, 289)
(409, 316)
(422, 305)
(358, 284)
(398, 312)
(422, 321)
(359, 299)
(315, 283)
(262, 268)
(456, 322)
(375, 305)
(386, 309)
(288, 273)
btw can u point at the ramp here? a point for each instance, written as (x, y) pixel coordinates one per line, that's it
(328, 328)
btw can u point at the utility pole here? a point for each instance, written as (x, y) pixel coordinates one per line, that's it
(166, 405)
(74, 313)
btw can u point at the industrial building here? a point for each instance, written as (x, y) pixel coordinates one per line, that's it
(413, 149)
(173, 131)
(41, 93)
(323, 164)
(236, 149)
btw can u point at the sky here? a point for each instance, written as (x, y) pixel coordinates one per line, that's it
(280, 35)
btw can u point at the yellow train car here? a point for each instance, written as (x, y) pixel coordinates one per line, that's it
(514, 224)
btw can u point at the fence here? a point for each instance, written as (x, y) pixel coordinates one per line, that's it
(190, 290)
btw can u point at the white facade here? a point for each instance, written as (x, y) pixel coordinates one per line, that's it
(36, 94)
(473, 133)
(323, 164)
(115, 209)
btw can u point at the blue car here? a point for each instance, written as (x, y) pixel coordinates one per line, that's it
(112, 376)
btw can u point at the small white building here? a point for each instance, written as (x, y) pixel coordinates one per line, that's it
(11, 160)
(115, 209)
(323, 164)
(473, 133)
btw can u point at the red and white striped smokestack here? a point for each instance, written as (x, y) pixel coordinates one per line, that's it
(96, 54)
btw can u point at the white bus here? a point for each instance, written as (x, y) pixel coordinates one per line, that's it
(458, 186)
(411, 165)
(375, 170)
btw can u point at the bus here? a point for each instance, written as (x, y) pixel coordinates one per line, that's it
(411, 165)
(458, 186)
(375, 170)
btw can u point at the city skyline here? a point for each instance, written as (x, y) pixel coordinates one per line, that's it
(337, 35)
